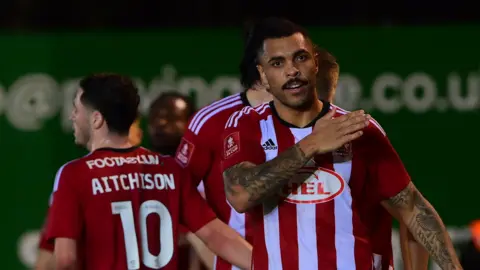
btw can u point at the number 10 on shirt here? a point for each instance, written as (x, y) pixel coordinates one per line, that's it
(125, 210)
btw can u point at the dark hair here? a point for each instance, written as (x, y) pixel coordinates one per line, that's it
(159, 101)
(248, 26)
(267, 28)
(115, 97)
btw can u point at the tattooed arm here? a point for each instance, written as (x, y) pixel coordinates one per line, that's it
(246, 184)
(425, 225)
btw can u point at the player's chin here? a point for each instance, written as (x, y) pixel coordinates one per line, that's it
(299, 101)
(79, 140)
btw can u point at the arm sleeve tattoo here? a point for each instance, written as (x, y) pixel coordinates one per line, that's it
(426, 226)
(267, 179)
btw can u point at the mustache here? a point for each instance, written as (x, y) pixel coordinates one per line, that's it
(295, 80)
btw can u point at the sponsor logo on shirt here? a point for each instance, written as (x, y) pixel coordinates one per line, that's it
(120, 161)
(322, 185)
(269, 145)
(231, 144)
(185, 152)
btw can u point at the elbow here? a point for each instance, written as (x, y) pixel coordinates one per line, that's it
(238, 203)
(65, 254)
(215, 235)
(410, 237)
(64, 262)
(238, 198)
(240, 209)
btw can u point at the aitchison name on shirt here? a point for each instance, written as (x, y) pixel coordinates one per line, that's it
(120, 161)
(133, 181)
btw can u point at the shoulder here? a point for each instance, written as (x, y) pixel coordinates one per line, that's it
(166, 163)
(374, 129)
(69, 169)
(248, 115)
(162, 159)
(171, 168)
(213, 116)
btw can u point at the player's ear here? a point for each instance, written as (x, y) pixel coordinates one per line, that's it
(97, 120)
(316, 57)
(263, 77)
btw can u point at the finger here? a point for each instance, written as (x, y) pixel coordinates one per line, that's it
(353, 128)
(360, 119)
(348, 116)
(350, 137)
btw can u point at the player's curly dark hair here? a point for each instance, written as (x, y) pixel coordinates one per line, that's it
(254, 37)
(114, 96)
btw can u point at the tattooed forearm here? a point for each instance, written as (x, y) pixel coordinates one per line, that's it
(426, 226)
(266, 179)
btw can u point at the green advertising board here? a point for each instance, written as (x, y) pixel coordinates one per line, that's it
(421, 84)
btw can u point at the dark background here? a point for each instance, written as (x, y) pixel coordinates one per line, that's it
(54, 15)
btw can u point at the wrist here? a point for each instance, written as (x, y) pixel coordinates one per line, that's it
(308, 146)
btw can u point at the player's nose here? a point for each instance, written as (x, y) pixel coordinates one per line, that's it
(292, 71)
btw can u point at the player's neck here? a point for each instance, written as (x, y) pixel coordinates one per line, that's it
(257, 97)
(111, 141)
(299, 118)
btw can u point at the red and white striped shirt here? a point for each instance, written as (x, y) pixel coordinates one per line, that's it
(318, 224)
(201, 152)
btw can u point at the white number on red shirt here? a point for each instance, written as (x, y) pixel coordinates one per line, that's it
(125, 210)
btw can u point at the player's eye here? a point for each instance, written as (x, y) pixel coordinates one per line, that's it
(302, 58)
(276, 63)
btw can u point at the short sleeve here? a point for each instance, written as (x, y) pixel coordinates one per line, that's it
(385, 167)
(43, 242)
(64, 218)
(195, 154)
(241, 139)
(194, 210)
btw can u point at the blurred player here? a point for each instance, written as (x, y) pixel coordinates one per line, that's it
(327, 76)
(167, 121)
(301, 168)
(470, 253)
(120, 206)
(44, 259)
(201, 149)
(135, 134)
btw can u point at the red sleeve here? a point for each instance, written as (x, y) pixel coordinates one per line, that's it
(195, 153)
(385, 167)
(65, 219)
(194, 210)
(241, 139)
(44, 243)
